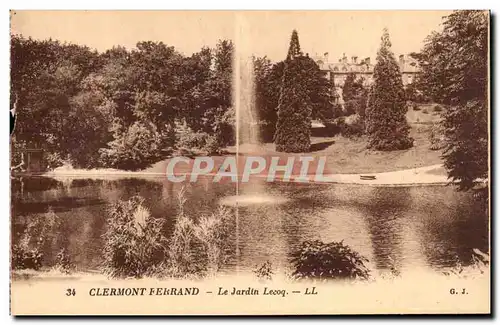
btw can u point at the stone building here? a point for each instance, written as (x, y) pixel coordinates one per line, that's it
(338, 71)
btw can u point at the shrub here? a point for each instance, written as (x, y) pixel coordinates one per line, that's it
(479, 265)
(26, 258)
(436, 137)
(189, 139)
(351, 106)
(183, 260)
(138, 146)
(198, 249)
(333, 126)
(28, 252)
(356, 106)
(416, 107)
(337, 110)
(134, 244)
(438, 108)
(323, 261)
(353, 126)
(212, 232)
(224, 128)
(425, 111)
(63, 262)
(212, 145)
(265, 271)
(189, 142)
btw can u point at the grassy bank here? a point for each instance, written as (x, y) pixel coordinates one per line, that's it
(350, 155)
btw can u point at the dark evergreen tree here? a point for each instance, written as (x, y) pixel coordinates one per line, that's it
(294, 48)
(293, 128)
(304, 91)
(386, 123)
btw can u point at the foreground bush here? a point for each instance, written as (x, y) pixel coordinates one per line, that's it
(199, 248)
(26, 258)
(63, 262)
(264, 272)
(479, 265)
(28, 253)
(134, 244)
(324, 261)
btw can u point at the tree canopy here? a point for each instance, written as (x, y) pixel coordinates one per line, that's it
(117, 108)
(454, 71)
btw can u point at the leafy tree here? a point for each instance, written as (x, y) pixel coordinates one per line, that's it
(454, 71)
(88, 128)
(45, 77)
(197, 70)
(218, 115)
(448, 73)
(352, 87)
(266, 95)
(386, 123)
(354, 95)
(411, 93)
(320, 91)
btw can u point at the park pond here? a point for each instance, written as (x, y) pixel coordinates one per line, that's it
(395, 228)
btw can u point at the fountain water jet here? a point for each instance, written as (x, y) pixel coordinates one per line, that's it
(248, 140)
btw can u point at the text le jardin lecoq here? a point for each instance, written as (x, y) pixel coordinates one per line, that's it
(194, 291)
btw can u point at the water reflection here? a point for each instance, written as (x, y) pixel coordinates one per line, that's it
(396, 228)
(384, 217)
(453, 227)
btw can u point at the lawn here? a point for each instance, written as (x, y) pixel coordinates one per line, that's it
(350, 156)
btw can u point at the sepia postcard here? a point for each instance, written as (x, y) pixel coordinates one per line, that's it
(250, 162)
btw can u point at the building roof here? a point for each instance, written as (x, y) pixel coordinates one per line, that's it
(406, 64)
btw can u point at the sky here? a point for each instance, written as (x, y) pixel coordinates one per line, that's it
(264, 33)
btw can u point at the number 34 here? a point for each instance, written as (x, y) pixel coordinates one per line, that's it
(70, 292)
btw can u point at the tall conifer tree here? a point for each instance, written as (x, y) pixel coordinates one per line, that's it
(386, 123)
(293, 128)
